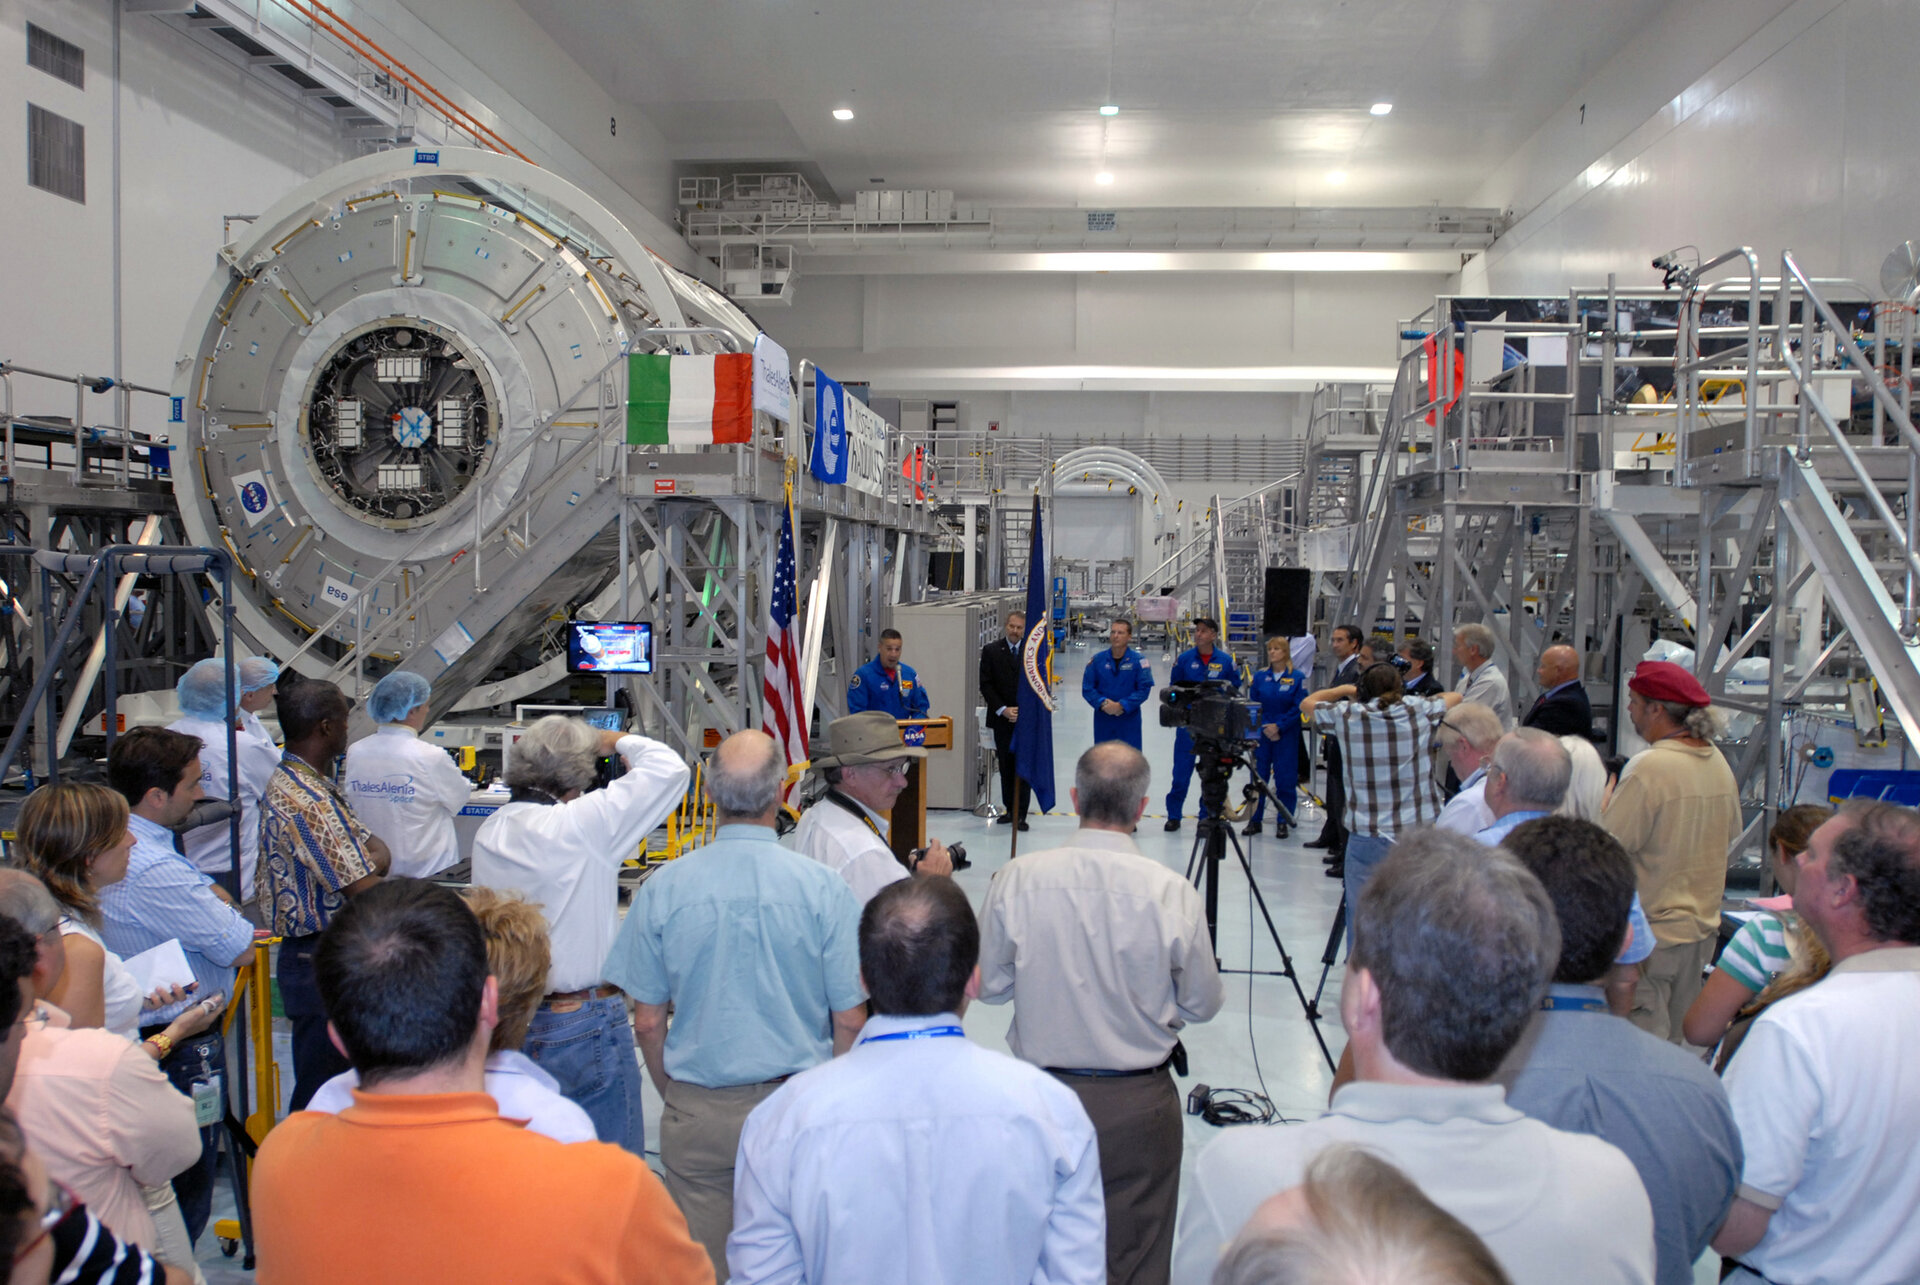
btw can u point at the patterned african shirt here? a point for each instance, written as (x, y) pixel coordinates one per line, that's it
(311, 848)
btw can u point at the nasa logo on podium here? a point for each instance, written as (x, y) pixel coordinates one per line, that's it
(913, 735)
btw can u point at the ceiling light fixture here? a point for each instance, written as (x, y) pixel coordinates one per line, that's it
(1103, 178)
(1380, 109)
(1336, 177)
(843, 113)
(1109, 109)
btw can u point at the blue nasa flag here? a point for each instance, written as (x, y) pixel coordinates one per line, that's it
(828, 461)
(1033, 731)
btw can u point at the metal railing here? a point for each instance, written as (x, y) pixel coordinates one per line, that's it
(1905, 534)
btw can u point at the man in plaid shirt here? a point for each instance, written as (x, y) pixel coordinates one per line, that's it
(1385, 738)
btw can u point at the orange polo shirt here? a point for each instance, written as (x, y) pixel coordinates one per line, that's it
(408, 1189)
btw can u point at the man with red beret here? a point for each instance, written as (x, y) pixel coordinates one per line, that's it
(1677, 812)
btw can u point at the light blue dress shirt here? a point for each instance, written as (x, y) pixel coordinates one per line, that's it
(1640, 947)
(164, 897)
(855, 1172)
(756, 947)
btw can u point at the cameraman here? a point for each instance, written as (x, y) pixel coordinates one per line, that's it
(1200, 663)
(1385, 738)
(866, 768)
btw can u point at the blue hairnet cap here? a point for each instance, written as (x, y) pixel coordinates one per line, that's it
(256, 672)
(203, 690)
(396, 696)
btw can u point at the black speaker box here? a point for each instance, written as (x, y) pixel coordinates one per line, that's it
(1286, 602)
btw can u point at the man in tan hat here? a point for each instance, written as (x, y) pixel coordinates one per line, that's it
(845, 831)
(1677, 812)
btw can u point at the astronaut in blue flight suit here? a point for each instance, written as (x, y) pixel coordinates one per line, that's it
(1117, 683)
(885, 684)
(1202, 662)
(1276, 756)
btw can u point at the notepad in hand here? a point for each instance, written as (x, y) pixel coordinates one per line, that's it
(164, 965)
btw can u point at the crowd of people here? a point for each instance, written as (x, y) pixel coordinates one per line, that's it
(1523, 1094)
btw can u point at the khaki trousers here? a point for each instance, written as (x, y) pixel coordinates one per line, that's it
(699, 1135)
(1670, 980)
(1137, 1121)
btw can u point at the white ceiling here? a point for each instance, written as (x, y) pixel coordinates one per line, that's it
(1224, 102)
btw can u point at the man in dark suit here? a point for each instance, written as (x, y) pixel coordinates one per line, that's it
(1418, 653)
(1346, 669)
(1000, 693)
(1563, 708)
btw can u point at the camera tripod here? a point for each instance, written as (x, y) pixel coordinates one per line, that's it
(1215, 763)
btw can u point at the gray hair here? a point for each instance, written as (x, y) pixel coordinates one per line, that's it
(1537, 766)
(1366, 1221)
(555, 755)
(1478, 637)
(1111, 779)
(1475, 723)
(1588, 782)
(1702, 722)
(1461, 941)
(745, 774)
(26, 901)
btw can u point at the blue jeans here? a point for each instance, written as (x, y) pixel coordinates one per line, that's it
(590, 1051)
(193, 1186)
(1278, 764)
(1365, 852)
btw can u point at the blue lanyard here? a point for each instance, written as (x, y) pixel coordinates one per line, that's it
(925, 1033)
(1572, 1004)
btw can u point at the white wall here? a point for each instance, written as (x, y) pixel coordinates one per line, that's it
(1798, 135)
(499, 63)
(198, 140)
(904, 332)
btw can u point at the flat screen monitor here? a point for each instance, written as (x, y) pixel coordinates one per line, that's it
(607, 720)
(609, 647)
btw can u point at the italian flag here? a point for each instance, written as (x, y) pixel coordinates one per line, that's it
(689, 401)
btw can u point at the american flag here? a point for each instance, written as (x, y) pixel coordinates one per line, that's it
(786, 722)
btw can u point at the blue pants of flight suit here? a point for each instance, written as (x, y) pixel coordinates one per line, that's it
(1182, 774)
(1278, 764)
(1119, 727)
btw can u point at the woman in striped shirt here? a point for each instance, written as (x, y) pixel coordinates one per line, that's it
(1767, 944)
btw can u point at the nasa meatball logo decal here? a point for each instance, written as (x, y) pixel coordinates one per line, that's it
(1030, 664)
(255, 500)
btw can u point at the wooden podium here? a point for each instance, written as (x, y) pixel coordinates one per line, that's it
(907, 829)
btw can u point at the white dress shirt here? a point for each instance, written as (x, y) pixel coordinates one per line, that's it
(407, 791)
(566, 857)
(1103, 952)
(1467, 812)
(207, 847)
(516, 1084)
(845, 844)
(853, 1172)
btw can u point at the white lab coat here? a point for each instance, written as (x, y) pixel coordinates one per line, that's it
(407, 791)
(207, 847)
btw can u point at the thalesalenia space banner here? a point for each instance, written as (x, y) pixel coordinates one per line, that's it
(689, 401)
